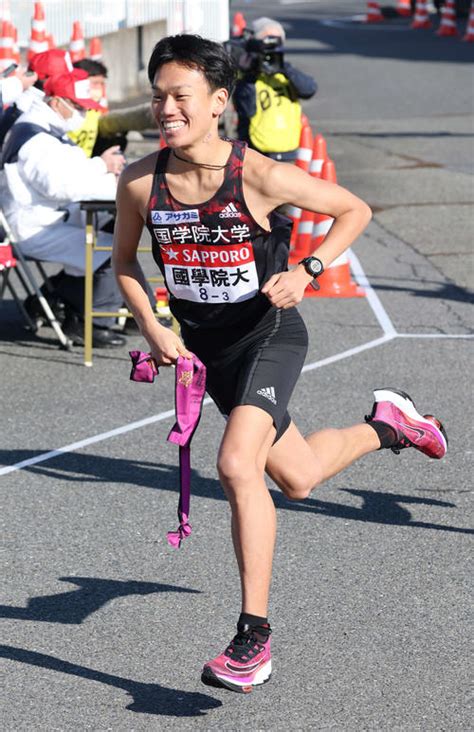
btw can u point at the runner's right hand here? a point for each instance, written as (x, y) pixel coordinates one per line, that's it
(166, 346)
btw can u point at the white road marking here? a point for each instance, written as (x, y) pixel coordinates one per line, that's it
(435, 335)
(348, 353)
(91, 440)
(372, 298)
(379, 311)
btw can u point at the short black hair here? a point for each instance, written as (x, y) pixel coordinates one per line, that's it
(92, 67)
(195, 52)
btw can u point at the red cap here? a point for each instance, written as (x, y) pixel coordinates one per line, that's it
(51, 63)
(73, 86)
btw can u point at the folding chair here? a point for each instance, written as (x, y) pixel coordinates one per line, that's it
(25, 274)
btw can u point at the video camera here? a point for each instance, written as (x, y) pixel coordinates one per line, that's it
(267, 52)
(262, 55)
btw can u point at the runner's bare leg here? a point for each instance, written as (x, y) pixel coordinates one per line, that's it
(298, 464)
(241, 461)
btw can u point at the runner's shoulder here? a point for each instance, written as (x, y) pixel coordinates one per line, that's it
(136, 180)
(264, 175)
(139, 172)
(256, 165)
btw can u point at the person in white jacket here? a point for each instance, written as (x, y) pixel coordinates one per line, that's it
(44, 177)
(13, 86)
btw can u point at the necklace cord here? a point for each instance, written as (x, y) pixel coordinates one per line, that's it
(202, 165)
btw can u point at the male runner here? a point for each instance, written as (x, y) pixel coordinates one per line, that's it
(209, 204)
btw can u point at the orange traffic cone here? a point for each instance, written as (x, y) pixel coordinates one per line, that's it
(305, 149)
(448, 25)
(38, 40)
(336, 281)
(469, 36)
(77, 47)
(303, 237)
(51, 41)
(16, 47)
(304, 232)
(238, 25)
(374, 14)
(319, 156)
(95, 49)
(322, 222)
(7, 56)
(302, 160)
(403, 7)
(421, 19)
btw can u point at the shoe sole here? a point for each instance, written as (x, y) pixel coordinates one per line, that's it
(263, 675)
(405, 403)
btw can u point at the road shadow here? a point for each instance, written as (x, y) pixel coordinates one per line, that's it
(147, 698)
(444, 291)
(378, 506)
(74, 606)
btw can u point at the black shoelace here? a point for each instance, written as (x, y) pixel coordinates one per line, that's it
(248, 643)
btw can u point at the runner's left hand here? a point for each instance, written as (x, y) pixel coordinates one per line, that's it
(286, 289)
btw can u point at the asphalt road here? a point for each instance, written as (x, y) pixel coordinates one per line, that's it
(104, 626)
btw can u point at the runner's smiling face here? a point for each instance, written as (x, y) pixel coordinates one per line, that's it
(183, 104)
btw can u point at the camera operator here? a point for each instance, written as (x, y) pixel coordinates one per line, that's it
(267, 93)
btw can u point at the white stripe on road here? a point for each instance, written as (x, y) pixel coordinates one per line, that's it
(435, 335)
(372, 298)
(91, 440)
(350, 352)
(166, 415)
(374, 302)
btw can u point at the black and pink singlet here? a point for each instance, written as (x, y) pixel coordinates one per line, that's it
(213, 255)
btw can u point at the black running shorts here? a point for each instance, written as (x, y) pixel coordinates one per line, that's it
(259, 368)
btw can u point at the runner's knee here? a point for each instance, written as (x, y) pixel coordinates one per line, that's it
(299, 486)
(236, 468)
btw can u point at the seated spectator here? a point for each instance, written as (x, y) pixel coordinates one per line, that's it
(42, 65)
(44, 176)
(267, 93)
(88, 135)
(98, 131)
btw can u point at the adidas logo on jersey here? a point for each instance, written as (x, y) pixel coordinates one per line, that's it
(230, 212)
(268, 392)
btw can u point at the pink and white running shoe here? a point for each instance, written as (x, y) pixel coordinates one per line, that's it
(424, 433)
(245, 663)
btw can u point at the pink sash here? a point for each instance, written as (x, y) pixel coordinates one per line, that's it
(190, 386)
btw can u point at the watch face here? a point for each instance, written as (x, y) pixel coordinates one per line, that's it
(316, 266)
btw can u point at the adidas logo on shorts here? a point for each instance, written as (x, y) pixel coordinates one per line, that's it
(230, 212)
(268, 392)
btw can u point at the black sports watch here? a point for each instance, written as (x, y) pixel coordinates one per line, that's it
(314, 267)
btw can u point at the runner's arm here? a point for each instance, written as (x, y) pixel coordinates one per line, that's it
(287, 184)
(164, 344)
